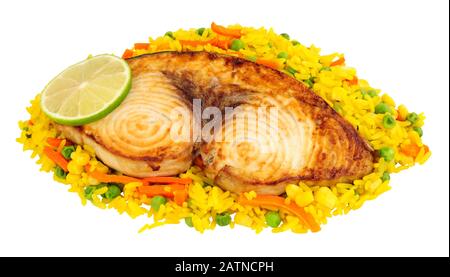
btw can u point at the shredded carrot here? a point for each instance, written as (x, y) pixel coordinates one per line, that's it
(87, 167)
(61, 146)
(221, 30)
(180, 196)
(163, 190)
(141, 46)
(127, 54)
(278, 202)
(194, 43)
(353, 81)
(268, 63)
(224, 44)
(232, 52)
(172, 180)
(108, 178)
(410, 149)
(56, 157)
(340, 61)
(55, 142)
(399, 117)
(30, 122)
(427, 149)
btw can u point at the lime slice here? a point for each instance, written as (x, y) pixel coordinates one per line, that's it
(87, 91)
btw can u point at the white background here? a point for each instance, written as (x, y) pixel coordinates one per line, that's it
(401, 47)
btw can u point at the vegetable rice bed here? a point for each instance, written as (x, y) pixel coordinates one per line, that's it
(392, 130)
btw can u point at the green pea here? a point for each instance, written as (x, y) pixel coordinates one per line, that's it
(385, 176)
(273, 219)
(25, 128)
(113, 192)
(294, 42)
(325, 68)
(60, 173)
(309, 82)
(382, 108)
(252, 58)
(370, 92)
(67, 150)
(169, 34)
(200, 31)
(188, 221)
(282, 55)
(157, 201)
(189, 202)
(291, 70)
(88, 191)
(223, 219)
(412, 117)
(237, 44)
(286, 36)
(337, 107)
(419, 131)
(388, 121)
(387, 153)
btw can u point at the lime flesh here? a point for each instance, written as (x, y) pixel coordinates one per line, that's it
(87, 91)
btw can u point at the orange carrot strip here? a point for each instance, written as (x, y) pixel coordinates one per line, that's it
(141, 46)
(107, 178)
(180, 196)
(195, 43)
(232, 52)
(340, 61)
(399, 117)
(221, 30)
(278, 202)
(30, 122)
(127, 54)
(55, 142)
(268, 63)
(224, 44)
(61, 145)
(56, 157)
(172, 180)
(410, 149)
(163, 190)
(353, 81)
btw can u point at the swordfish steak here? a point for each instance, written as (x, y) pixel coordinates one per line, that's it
(310, 141)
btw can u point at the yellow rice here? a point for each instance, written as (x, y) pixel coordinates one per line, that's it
(207, 200)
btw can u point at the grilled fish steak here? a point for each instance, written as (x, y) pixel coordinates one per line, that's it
(311, 143)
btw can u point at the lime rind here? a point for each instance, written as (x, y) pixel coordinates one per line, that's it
(99, 114)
